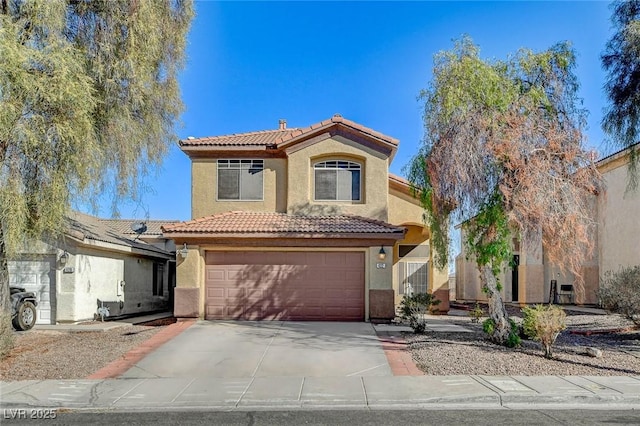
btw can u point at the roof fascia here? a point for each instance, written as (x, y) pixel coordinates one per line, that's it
(285, 235)
(339, 129)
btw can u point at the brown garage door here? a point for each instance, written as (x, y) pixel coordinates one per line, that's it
(327, 286)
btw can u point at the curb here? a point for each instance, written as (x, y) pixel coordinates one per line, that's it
(128, 360)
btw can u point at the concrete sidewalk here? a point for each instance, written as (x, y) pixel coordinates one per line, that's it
(284, 393)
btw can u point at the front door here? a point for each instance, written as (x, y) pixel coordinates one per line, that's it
(514, 277)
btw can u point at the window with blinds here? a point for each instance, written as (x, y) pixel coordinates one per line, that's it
(337, 181)
(240, 180)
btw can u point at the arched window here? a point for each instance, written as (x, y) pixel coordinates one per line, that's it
(337, 181)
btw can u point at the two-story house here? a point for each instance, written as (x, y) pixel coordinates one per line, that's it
(300, 224)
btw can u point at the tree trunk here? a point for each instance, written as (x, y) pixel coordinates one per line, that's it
(497, 311)
(6, 330)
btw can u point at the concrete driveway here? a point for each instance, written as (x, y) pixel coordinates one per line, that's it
(244, 349)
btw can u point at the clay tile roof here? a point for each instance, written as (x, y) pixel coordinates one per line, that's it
(337, 118)
(260, 138)
(274, 137)
(238, 222)
(398, 179)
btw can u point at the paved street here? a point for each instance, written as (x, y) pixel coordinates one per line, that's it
(350, 417)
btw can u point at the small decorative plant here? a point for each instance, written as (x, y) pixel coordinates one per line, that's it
(476, 313)
(544, 323)
(413, 309)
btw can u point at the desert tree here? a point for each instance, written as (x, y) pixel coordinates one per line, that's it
(621, 61)
(503, 153)
(88, 101)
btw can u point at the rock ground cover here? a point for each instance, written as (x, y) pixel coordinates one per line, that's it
(458, 353)
(40, 355)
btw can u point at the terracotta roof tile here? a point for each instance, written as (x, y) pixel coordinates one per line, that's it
(238, 222)
(260, 138)
(399, 179)
(275, 137)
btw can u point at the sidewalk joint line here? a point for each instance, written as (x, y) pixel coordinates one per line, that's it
(364, 392)
(301, 387)
(244, 392)
(183, 389)
(128, 392)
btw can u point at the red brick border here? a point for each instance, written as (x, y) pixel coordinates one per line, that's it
(128, 360)
(398, 356)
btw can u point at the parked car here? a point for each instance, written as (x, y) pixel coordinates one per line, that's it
(23, 308)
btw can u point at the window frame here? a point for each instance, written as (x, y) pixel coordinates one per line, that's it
(239, 162)
(350, 165)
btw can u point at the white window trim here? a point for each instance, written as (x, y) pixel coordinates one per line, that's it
(358, 166)
(239, 199)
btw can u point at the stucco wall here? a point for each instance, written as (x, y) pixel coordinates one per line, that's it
(374, 179)
(204, 184)
(97, 274)
(403, 209)
(619, 223)
(96, 277)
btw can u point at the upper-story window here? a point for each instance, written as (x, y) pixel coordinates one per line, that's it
(337, 181)
(240, 179)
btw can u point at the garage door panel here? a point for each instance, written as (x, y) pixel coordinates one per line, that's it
(285, 286)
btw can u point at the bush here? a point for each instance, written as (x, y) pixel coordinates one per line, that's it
(620, 292)
(513, 340)
(476, 313)
(544, 323)
(413, 308)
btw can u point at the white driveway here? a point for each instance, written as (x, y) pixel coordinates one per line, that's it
(267, 349)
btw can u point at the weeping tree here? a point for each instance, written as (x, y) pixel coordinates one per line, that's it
(88, 101)
(621, 60)
(503, 153)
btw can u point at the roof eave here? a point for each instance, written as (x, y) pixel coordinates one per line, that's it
(393, 235)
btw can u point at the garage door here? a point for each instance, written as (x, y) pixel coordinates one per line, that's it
(35, 276)
(312, 286)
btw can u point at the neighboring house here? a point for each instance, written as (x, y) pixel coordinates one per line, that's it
(98, 262)
(300, 224)
(617, 244)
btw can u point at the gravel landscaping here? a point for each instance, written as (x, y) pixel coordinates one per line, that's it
(41, 355)
(460, 353)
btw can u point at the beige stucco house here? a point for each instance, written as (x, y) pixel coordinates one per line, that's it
(299, 224)
(617, 240)
(97, 263)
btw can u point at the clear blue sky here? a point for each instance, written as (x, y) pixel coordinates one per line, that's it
(252, 63)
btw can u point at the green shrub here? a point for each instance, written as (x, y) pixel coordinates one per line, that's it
(620, 292)
(513, 340)
(544, 323)
(476, 313)
(413, 309)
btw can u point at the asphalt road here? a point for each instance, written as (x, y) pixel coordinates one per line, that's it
(350, 417)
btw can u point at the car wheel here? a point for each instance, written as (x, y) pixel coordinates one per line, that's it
(26, 317)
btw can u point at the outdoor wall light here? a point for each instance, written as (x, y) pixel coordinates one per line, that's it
(184, 251)
(64, 257)
(382, 255)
